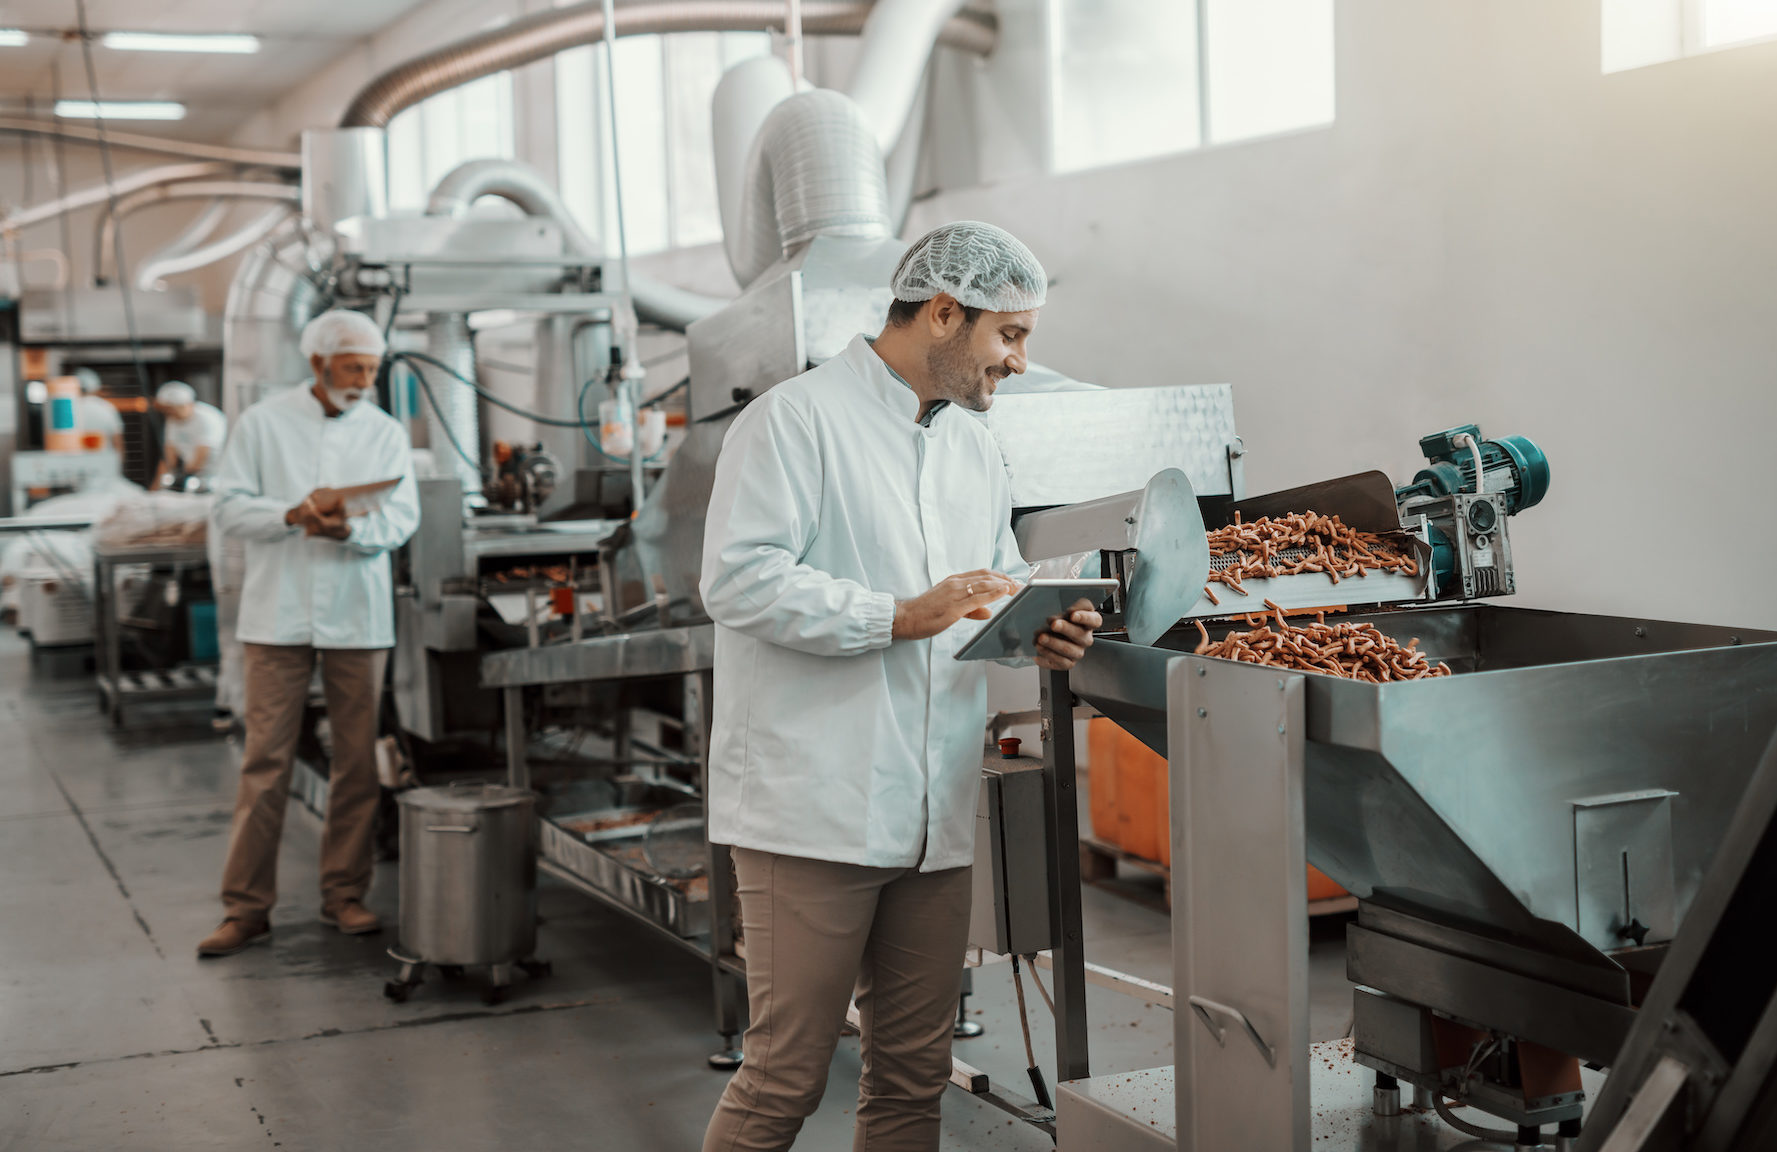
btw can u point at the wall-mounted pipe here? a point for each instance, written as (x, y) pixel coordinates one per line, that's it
(153, 271)
(200, 228)
(539, 36)
(105, 229)
(102, 194)
(79, 134)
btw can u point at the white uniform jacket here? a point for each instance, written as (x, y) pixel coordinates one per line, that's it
(310, 589)
(830, 503)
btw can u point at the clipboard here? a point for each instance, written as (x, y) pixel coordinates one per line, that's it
(356, 499)
(1013, 631)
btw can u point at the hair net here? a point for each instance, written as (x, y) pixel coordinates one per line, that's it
(980, 265)
(342, 332)
(89, 380)
(176, 394)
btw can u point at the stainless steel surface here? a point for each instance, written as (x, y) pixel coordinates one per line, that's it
(1487, 997)
(345, 175)
(628, 655)
(1364, 500)
(1103, 525)
(1648, 1107)
(556, 538)
(452, 409)
(1389, 1031)
(748, 347)
(668, 534)
(543, 34)
(468, 874)
(436, 552)
(1065, 447)
(1622, 847)
(96, 314)
(570, 350)
(1240, 906)
(1171, 557)
(1394, 811)
(1010, 915)
(650, 897)
(1124, 1112)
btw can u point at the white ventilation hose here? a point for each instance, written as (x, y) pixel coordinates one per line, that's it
(898, 39)
(744, 97)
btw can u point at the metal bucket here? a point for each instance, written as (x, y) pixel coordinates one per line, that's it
(468, 874)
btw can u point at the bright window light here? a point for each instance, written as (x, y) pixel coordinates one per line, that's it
(180, 42)
(13, 38)
(120, 110)
(1733, 21)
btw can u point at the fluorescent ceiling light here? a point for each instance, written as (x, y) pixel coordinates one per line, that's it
(13, 38)
(120, 110)
(180, 42)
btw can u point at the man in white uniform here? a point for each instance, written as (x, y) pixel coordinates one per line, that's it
(192, 436)
(860, 516)
(317, 585)
(97, 414)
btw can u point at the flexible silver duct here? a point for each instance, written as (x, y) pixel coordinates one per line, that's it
(272, 296)
(221, 191)
(249, 157)
(200, 228)
(814, 170)
(897, 42)
(520, 184)
(152, 272)
(453, 415)
(539, 36)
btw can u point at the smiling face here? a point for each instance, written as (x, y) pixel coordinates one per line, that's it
(969, 357)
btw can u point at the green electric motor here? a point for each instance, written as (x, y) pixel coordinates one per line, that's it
(1512, 465)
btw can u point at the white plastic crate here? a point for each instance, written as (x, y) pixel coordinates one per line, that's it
(56, 612)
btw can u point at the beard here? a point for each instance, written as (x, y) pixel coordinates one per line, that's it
(342, 398)
(957, 376)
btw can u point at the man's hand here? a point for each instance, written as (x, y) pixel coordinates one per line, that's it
(332, 525)
(1060, 648)
(966, 595)
(321, 513)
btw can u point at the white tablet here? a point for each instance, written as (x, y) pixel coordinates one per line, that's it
(1013, 632)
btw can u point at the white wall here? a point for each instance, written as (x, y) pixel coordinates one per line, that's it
(1494, 232)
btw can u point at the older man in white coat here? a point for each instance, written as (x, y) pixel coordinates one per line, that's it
(317, 587)
(859, 517)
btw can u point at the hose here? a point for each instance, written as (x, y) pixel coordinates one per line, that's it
(1497, 1135)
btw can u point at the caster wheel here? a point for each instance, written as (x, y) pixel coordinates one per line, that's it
(496, 994)
(537, 967)
(451, 971)
(726, 1061)
(396, 991)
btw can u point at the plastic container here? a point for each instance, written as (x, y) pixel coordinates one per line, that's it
(61, 426)
(201, 626)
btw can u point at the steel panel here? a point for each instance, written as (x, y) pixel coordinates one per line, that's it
(628, 655)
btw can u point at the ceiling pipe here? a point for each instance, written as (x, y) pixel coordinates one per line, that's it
(158, 269)
(79, 134)
(897, 41)
(102, 193)
(543, 34)
(105, 230)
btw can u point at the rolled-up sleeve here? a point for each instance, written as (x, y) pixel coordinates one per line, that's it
(240, 509)
(762, 518)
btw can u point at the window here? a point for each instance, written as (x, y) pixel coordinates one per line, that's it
(1132, 79)
(1636, 33)
(664, 85)
(428, 140)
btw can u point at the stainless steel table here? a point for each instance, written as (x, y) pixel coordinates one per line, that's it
(117, 688)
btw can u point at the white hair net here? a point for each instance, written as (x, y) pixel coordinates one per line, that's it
(176, 394)
(89, 380)
(981, 266)
(342, 332)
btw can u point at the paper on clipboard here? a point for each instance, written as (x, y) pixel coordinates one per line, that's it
(356, 499)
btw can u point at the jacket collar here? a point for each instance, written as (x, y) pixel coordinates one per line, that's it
(887, 384)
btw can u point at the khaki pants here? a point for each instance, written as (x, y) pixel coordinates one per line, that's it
(815, 930)
(277, 678)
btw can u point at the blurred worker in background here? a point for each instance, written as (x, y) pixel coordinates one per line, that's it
(192, 437)
(846, 750)
(97, 415)
(317, 585)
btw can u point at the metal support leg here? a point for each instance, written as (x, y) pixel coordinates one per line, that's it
(1387, 1098)
(518, 771)
(1567, 1136)
(966, 1029)
(1062, 802)
(730, 992)
(1530, 1136)
(1423, 1099)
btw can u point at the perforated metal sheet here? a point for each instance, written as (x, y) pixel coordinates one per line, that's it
(1065, 447)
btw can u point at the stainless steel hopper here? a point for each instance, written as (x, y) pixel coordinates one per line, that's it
(1505, 797)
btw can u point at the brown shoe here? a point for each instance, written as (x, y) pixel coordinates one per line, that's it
(351, 918)
(233, 936)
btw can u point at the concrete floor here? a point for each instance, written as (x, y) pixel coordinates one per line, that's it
(113, 1035)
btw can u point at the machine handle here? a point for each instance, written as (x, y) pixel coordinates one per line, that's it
(449, 828)
(1204, 1008)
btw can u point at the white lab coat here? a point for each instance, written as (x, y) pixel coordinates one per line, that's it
(830, 503)
(97, 414)
(207, 427)
(310, 589)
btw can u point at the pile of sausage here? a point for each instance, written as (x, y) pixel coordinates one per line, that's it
(1326, 543)
(1351, 650)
